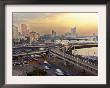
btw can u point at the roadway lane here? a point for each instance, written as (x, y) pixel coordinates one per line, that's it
(20, 70)
(84, 64)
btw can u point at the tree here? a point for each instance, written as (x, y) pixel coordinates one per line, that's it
(37, 72)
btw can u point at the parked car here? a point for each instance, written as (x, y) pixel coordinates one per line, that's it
(46, 67)
(25, 62)
(59, 72)
(16, 63)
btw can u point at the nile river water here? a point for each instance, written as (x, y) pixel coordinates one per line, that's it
(93, 51)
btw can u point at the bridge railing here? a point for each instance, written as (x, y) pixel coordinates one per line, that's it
(86, 66)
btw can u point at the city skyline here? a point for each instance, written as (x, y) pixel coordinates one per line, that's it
(43, 23)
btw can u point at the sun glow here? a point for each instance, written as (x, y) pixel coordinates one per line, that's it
(85, 23)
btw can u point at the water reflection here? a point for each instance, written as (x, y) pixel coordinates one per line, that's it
(93, 51)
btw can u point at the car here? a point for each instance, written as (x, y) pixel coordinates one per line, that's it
(17, 63)
(25, 62)
(49, 65)
(45, 62)
(36, 59)
(46, 67)
(59, 72)
(42, 49)
(32, 55)
(37, 55)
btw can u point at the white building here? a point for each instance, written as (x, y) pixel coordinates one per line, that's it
(15, 32)
(72, 33)
(20, 36)
(34, 37)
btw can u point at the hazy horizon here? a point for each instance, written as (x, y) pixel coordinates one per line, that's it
(43, 23)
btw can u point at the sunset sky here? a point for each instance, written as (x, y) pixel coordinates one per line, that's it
(44, 23)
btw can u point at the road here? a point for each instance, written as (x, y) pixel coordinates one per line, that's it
(84, 64)
(20, 70)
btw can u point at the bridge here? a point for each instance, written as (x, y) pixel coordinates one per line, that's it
(30, 53)
(77, 61)
(76, 46)
(36, 46)
(89, 67)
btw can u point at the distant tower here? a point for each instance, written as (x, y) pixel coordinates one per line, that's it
(73, 31)
(53, 35)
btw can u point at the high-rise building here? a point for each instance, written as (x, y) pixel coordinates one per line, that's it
(73, 31)
(20, 36)
(27, 33)
(53, 33)
(34, 37)
(15, 32)
(24, 29)
(37, 36)
(71, 34)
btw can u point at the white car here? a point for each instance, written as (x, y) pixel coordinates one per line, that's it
(37, 56)
(45, 62)
(25, 62)
(32, 55)
(36, 59)
(46, 67)
(59, 72)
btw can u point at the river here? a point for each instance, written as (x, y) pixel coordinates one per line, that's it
(93, 51)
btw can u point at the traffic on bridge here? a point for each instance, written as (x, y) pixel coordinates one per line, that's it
(57, 58)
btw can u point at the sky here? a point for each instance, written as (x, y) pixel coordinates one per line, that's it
(44, 23)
